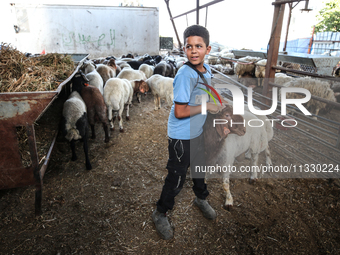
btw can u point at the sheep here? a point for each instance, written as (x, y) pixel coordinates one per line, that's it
(317, 88)
(166, 69)
(112, 64)
(242, 68)
(139, 86)
(336, 88)
(260, 71)
(161, 87)
(212, 60)
(122, 65)
(98, 60)
(147, 69)
(74, 124)
(180, 62)
(146, 59)
(92, 75)
(117, 93)
(223, 69)
(222, 148)
(94, 101)
(106, 72)
(131, 74)
(227, 61)
(282, 78)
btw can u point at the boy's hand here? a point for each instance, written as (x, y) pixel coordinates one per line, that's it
(213, 108)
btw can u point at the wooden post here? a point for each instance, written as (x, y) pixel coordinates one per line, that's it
(273, 50)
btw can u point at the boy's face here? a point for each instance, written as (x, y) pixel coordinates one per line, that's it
(196, 49)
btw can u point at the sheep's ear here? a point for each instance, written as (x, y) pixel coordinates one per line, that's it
(238, 129)
(222, 130)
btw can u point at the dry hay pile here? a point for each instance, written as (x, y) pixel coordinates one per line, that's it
(19, 73)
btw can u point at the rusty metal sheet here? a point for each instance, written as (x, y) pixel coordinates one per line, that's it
(23, 108)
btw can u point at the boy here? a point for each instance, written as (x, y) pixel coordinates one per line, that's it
(185, 128)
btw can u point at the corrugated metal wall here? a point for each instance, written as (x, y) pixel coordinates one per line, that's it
(326, 42)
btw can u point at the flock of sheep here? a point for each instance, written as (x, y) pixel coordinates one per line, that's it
(104, 87)
(254, 67)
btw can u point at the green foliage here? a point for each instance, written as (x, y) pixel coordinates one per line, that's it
(329, 17)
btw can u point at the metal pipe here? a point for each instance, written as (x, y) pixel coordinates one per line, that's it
(331, 78)
(308, 146)
(193, 10)
(173, 24)
(197, 12)
(288, 24)
(278, 2)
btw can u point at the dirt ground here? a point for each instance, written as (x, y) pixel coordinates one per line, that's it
(108, 210)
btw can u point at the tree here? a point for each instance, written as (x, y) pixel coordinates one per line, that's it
(329, 17)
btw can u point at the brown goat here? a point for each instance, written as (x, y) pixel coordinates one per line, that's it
(96, 109)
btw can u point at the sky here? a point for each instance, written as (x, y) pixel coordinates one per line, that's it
(234, 24)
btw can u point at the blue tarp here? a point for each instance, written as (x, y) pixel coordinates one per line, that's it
(298, 45)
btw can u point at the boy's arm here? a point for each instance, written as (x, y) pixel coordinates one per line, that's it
(185, 110)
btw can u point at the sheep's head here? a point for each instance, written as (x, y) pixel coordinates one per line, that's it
(112, 63)
(226, 124)
(142, 86)
(88, 66)
(79, 81)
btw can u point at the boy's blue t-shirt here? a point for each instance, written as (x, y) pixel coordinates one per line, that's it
(186, 89)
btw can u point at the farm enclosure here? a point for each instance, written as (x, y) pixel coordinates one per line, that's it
(108, 210)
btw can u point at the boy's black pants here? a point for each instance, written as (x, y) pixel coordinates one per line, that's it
(180, 158)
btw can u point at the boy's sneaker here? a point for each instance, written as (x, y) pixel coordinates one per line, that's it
(205, 208)
(162, 225)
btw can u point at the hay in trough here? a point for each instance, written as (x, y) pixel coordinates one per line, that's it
(19, 73)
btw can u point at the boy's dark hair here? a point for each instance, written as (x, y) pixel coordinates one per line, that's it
(197, 30)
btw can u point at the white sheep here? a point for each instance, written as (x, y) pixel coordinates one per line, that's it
(242, 68)
(260, 71)
(147, 69)
(131, 74)
(180, 62)
(226, 61)
(282, 78)
(123, 65)
(161, 87)
(75, 124)
(118, 93)
(92, 75)
(212, 59)
(222, 150)
(317, 88)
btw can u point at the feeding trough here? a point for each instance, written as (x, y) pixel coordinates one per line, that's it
(20, 111)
